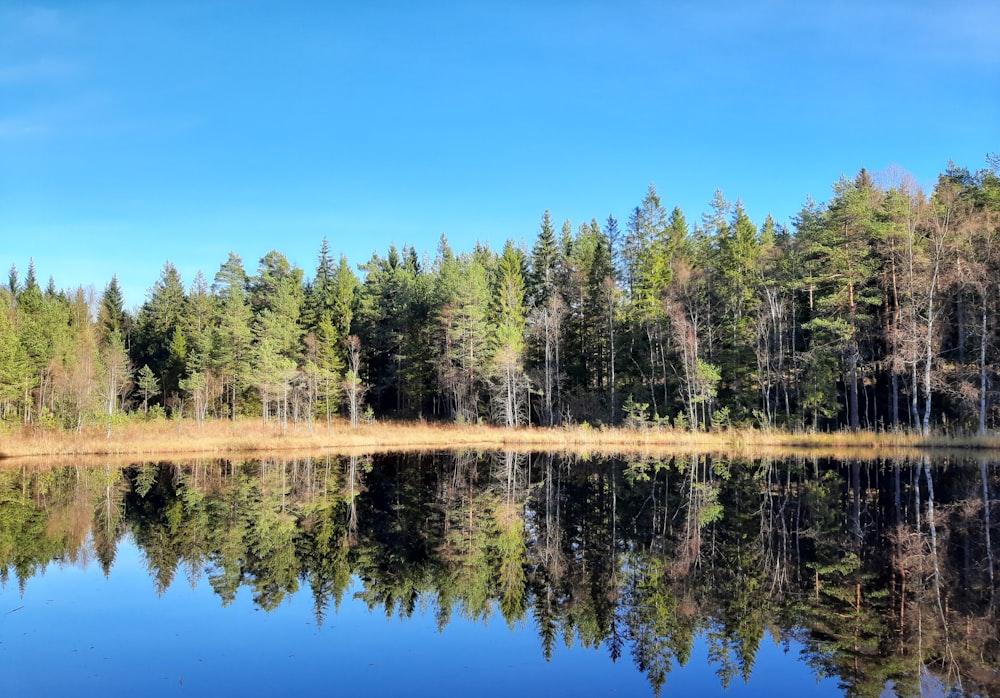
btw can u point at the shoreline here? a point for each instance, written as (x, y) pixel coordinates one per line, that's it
(171, 440)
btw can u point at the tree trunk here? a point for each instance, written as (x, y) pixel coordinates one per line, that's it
(983, 474)
(982, 376)
(929, 347)
(611, 348)
(852, 384)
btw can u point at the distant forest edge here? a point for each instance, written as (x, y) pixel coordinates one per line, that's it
(877, 309)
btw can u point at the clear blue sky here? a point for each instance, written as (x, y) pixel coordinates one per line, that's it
(132, 133)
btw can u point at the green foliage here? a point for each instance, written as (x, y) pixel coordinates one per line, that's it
(111, 315)
(149, 386)
(462, 296)
(710, 509)
(643, 566)
(636, 413)
(545, 260)
(637, 471)
(508, 324)
(159, 334)
(15, 369)
(721, 418)
(868, 310)
(232, 336)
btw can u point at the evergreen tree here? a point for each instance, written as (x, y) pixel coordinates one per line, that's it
(509, 381)
(319, 293)
(149, 386)
(199, 324)
(176, 369)
(648, 257)
(737, 260)
(13, 283)
(547, 315)
(843, 269)
(15, 370)
(44, 330)
(544, 263)
(417, 359)
(461, 299)
(391, 311)
(599, 308)
(612, 298)
(157, 323)
(232, 329)
(111, 315)
(276, 298)
(345, 289)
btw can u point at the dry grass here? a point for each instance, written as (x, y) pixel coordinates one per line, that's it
(169, 440)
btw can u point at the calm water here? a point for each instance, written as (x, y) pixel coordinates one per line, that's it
(496, 574)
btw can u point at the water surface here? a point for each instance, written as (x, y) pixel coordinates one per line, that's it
(493, 574)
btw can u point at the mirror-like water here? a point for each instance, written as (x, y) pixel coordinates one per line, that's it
(499, 573)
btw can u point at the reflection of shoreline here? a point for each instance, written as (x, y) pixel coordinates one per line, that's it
(640, 557)
(172, 440)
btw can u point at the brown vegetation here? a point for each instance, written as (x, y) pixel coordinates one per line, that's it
(165, 439)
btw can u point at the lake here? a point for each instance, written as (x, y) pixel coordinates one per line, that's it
(502, 574)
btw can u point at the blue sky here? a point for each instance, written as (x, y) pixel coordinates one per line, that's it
(132, 133)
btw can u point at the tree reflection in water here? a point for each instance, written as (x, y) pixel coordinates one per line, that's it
(884, 570)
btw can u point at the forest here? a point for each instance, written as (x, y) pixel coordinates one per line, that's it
(877, 309)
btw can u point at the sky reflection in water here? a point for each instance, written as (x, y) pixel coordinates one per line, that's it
(458, 574)
(75, 631)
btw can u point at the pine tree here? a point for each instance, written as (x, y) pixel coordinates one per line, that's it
(461, 300)
(648, 256)
(547, 314)
(320, 291)
(176, 368)
(44, 330)
(737, 260)
(156, 324)
(384, 314)
(345, 286)
(149, 386)
(13, 282)
(847, 272)
(276, 297)
(232, 329)
(15, 370)
(840, 274)
(510, 384)
(111, 315)
(199, 324)
(544, 263)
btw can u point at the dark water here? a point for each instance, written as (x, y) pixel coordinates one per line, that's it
(501, 574)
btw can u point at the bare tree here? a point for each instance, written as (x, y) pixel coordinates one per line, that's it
(546, 322)
(353, 387)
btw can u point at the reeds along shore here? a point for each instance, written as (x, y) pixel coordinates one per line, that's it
(167, 438)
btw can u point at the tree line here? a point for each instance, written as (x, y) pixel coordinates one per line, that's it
(876, 309)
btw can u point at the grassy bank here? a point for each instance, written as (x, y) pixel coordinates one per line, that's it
(170, 439)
